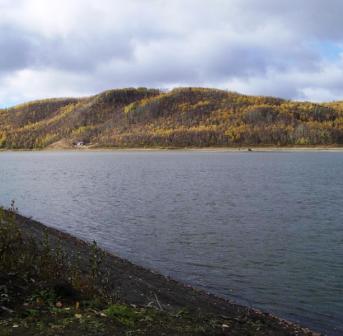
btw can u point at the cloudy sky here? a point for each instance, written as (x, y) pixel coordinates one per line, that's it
(287, 48)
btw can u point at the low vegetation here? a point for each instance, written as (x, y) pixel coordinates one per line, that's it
(183, 117)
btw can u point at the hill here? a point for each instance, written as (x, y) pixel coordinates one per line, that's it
(182, 117)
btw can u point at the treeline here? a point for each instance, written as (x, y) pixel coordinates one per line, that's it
(179, 118)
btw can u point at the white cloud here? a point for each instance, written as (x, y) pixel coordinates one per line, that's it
(67, 47)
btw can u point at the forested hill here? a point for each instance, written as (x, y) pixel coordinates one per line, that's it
(179, 118)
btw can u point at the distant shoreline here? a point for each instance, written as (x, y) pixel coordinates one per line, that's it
(185, 149)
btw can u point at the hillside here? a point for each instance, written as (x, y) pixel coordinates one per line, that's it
(182, 117)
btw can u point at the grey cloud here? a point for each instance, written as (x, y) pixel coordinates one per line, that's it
(315, 18)
(16, 49)
(263, 46)
(82, 53)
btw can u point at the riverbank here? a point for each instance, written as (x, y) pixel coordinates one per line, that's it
(185, 149)
(129, 298)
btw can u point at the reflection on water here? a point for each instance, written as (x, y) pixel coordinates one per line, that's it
(265, 229)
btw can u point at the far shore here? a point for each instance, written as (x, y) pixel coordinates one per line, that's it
(183, 149)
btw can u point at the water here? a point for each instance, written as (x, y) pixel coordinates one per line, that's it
(264, 229)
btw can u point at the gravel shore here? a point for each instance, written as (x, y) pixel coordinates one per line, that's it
(135, 285)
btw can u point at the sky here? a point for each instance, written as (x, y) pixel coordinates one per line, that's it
(287, 48)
